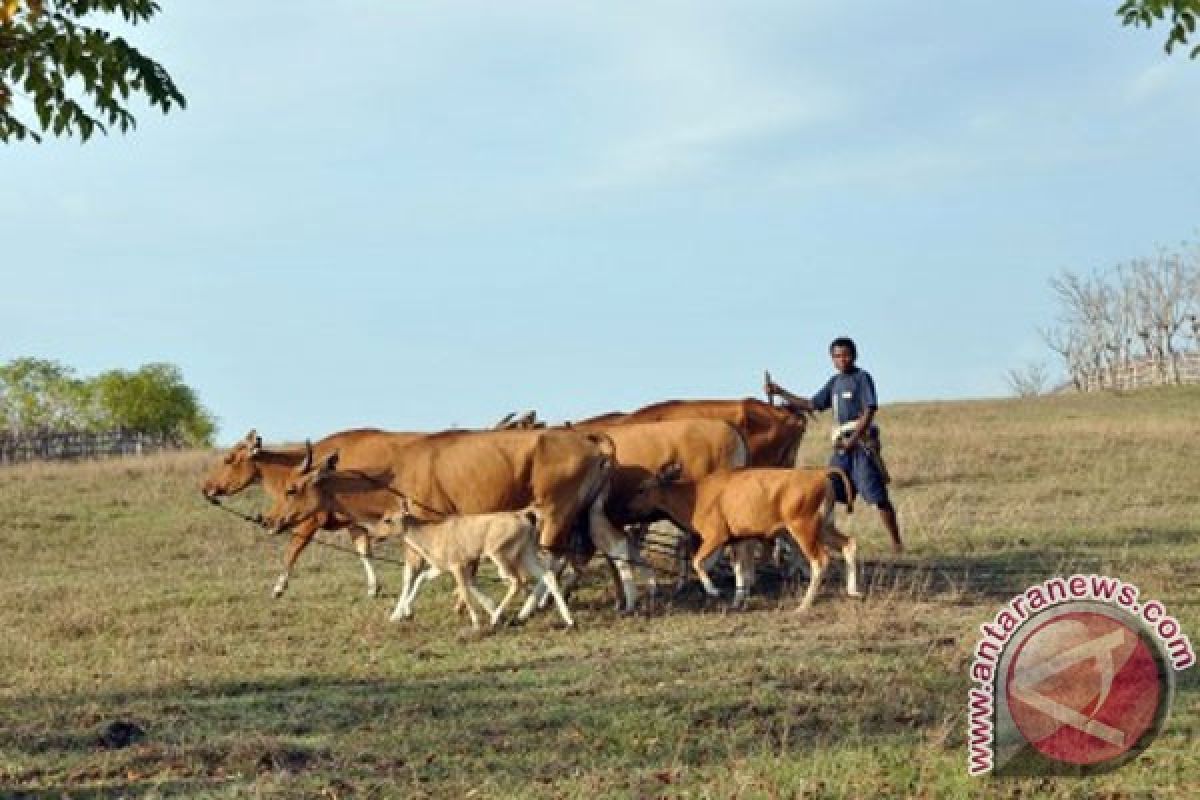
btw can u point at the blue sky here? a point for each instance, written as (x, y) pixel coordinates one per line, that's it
(415, 215)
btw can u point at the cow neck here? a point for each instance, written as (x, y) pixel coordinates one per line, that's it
(357, 494)
(679, 502)
(276, 467)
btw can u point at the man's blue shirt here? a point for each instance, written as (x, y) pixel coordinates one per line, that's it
(855, 391)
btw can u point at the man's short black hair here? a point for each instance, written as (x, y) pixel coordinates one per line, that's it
(846, 342)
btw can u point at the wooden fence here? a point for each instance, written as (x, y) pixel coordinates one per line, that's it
(1144, 372)
(16, 448)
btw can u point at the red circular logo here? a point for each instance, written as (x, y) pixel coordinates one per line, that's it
(1084, 688)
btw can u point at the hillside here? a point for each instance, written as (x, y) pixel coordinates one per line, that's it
(125, 597)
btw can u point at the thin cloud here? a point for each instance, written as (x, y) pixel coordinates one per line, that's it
(684, 148)
(687, 100)
(1151, 82)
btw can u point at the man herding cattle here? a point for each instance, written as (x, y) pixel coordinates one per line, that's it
(856, 446)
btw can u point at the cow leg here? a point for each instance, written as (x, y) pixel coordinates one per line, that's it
(460, 580)
(848, 548)
(412, 585)
(807, 536)
(301, 536)
(539, 594)
(402, 611)
(514, 584)
(362, 543)
(614, 572)
(484, 601)
(470, 573)
(615, 545)
(532, 567)
(710, 550)
(744, 553)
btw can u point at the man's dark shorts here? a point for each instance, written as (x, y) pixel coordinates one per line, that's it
(865, 476)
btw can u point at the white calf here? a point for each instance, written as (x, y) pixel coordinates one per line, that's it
(457, 545)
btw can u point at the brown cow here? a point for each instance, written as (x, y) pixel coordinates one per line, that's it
(772, 434)
(699, 446)
(753, 502)
(248, 463)
(564, 473)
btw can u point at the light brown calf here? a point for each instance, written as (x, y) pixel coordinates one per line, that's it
(756, 503)
(457, 544)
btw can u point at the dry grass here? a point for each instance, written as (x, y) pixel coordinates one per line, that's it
(126, 598)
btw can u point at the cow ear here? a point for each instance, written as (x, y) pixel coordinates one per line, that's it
(307, 463)
(256, 446)
(329, 464)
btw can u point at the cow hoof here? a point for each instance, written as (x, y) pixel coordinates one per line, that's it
(373, 592)
(855, 594)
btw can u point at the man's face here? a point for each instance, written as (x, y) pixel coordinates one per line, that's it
(843, 358)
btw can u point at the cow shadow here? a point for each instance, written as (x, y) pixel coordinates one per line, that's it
(965, 579)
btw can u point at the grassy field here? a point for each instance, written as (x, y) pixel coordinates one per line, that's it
(125, 598)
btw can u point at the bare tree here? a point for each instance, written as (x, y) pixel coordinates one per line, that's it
(1144, 310)
(1085, 303)
(1063, 342)
(1029, 380)
(1162, 288)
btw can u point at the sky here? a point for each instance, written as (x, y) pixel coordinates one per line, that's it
(421, 215)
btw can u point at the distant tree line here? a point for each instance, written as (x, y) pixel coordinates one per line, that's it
(1143, 314)
(44, 395)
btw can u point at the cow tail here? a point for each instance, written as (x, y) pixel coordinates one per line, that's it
(605, 444)
(838, 472)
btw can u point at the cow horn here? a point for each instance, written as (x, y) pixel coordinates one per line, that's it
(306, 464)
(506, 422)
(767, 387)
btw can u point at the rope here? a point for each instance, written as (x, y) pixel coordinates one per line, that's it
(257, 521)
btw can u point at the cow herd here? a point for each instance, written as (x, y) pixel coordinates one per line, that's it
(534, 499)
